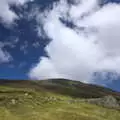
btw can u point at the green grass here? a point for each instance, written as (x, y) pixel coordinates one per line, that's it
(34, 102)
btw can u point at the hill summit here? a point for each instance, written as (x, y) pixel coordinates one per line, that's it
(57, 99)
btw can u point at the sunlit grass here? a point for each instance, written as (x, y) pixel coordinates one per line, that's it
(29, 104)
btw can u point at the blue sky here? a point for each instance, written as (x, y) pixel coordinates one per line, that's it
(24, 31)
(20, 40)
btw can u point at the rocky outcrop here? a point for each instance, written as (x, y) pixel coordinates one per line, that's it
(107, 101)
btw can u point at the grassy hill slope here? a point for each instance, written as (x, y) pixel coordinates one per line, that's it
(53, 100)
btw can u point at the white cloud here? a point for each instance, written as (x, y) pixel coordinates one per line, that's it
(6, 14)
(4, 56)
(47, 67)
(9, 43)
(36, 44)
(76, 54)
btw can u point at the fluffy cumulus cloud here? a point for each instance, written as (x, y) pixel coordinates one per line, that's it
(6, 14)
(92, 45)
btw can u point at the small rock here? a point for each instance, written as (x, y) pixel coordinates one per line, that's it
(13, 101)
(26, 94)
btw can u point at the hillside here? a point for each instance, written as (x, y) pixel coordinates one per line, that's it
(55, 100)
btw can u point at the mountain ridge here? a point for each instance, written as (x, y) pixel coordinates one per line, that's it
(61, 85)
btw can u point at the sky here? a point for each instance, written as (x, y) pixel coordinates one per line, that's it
(71, 39)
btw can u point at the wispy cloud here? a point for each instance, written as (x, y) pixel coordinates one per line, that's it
(36, 44)
(24, 47)
(9, 43)
(4, 56)
(8, 16)
(22, 64)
